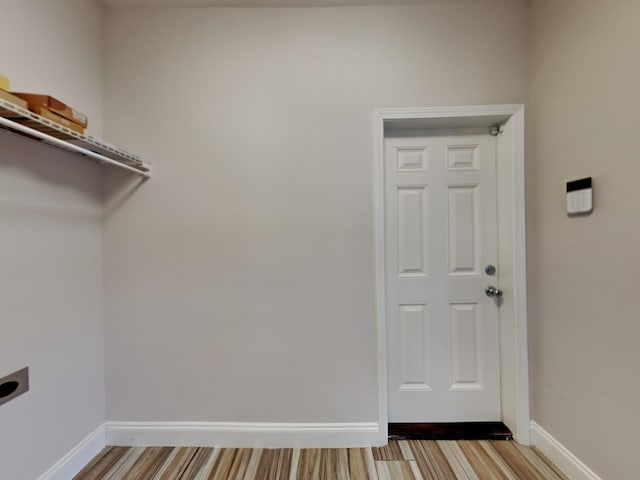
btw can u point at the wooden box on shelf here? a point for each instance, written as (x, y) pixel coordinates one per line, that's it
(37, 102)
(12, 99)
(54, 117)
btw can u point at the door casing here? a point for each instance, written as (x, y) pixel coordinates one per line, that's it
(517, 399)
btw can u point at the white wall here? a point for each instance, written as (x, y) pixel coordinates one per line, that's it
(584, 320)
(50, 206)
(239, 280)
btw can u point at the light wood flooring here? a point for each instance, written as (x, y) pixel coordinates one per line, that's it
(404, 459)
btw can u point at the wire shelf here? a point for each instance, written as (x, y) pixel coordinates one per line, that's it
(24, 122)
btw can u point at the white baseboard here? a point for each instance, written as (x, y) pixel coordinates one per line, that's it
(562, 458)
(244, 435)
(79, 456)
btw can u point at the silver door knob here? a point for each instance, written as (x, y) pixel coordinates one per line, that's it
(492, 291)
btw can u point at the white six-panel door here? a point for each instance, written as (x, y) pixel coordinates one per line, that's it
(441, 233)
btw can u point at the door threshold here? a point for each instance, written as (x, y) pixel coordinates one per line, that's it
(450, 431)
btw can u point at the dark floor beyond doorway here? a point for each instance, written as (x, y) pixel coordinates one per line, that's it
(450, 431)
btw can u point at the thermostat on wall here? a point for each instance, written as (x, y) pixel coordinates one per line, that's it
(579, 196)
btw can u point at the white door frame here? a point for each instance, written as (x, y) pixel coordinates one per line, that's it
(452, 117)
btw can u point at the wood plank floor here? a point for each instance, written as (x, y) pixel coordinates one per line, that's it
(404, 459)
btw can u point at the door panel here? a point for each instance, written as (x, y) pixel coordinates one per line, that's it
(464, 318)
(414, 344)
(412, 231)
(441, 231)
(463, 229)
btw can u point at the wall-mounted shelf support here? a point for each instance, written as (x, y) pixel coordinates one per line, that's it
(21, 121)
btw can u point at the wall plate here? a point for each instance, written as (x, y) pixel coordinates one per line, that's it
(14, 385)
